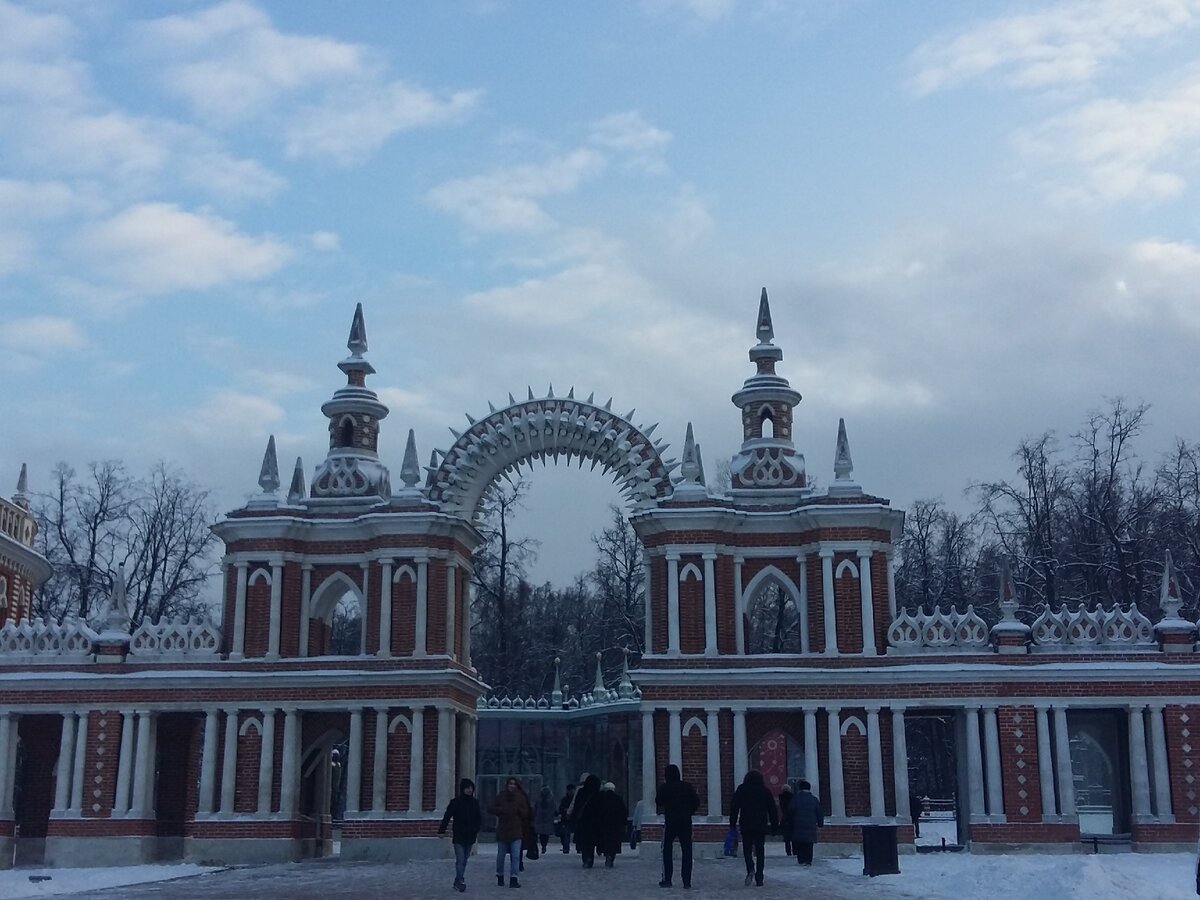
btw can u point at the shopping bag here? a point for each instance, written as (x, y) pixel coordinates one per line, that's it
(731, 842)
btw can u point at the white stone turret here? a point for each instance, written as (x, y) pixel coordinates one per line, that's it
(268, 479)
(844, 484)
(690, 484)
(1010, 634)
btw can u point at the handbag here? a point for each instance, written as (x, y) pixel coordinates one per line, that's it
(731, 842)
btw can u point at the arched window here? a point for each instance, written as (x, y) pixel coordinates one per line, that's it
(772, 618)
(337, 607)
(780, 758)
(766, 422)
(346, 432)
(3, 592)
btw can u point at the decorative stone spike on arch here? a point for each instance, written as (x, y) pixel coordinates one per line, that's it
(550, 427)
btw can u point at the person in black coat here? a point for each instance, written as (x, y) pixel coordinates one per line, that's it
(807, 817)
(612, 819)
(464, 810)
(754, 809)
(676, 802)
(584, 819)
(785, 816)
(564, 824)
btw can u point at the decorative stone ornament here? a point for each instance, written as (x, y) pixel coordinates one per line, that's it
(21, 497)
(1011, 634)
(268, 479)
(296, 490)
(1175, 633)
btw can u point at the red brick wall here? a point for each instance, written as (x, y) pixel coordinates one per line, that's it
(658, 605)
(695, 758)
(228, 605)
(404, 614)
(848, 605)
(726, 738)
(879, 600)
(258, 614)
(103, 753)
(399, 754)
(249, 752)
(1019, 768)
(374, 595)
(1182, 724)
(436, 621)
(691, 607)
(854, 764)
(429, 787)
(366, 785)
(726, 628)
(289, 624)
(816, 606)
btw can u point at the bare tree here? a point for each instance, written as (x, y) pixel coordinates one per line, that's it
(620, 584)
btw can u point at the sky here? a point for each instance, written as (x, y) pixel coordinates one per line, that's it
(975, 222)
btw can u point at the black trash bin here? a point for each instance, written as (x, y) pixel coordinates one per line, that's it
(881, 854)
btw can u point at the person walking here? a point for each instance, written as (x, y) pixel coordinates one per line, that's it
(753, 808)
(612, 818)
(585, 819)
(916, 806)
(564, 809)
(676, 802)
(785, 816)
(512, 813)
(544, 812)
(807, 817)
(464, 810)
(635, 825)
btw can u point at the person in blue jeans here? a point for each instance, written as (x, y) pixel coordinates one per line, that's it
(464, 810)
(513, 819)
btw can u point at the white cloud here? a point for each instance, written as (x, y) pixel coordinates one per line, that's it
(1067, 43)
(350, 124)
(326, 241)
(507, 200)
(630, 134)
(702, 10)
(35, 335)
(156, 248)
(1109, 150)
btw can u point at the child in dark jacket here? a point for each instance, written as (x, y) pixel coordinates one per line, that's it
(464, 810)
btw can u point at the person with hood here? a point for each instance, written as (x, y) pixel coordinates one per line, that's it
(785, 816)
(464, 810)
(512, 813)
(753, 808)
(807, 817)
(612, 817)
(584, 819)
(676, 801)
(564, 809)
(544, 811)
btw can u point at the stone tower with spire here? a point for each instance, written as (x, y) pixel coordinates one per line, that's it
(22, 569)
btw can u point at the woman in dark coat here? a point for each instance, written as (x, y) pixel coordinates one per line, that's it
(754, 809)
(544, 811)
(513, 816)
(807, 817)
(464, 810)
(612, 820)
(785, 816)
(583, 819)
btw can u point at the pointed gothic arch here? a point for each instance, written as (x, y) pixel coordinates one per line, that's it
(549, 427)
(785, 619)
(328, 595)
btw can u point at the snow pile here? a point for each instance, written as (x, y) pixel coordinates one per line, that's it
(955, 876)
(15, 882)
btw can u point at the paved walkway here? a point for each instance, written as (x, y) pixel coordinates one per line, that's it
(553, 877)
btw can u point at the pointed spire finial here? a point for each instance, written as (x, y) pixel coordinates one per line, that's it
(1169, 597)
(21, 497)
(410, 471)
(556, 696)
(268, 475)
(357, 342)
(117, 616)
(297, 490)
(598, 688)
(689, 469)
(1008, 592)
(843, 464)
(764, 330)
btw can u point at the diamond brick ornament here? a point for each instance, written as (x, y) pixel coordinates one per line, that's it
(1020, 748)
(1020, 763)
(1024, 810)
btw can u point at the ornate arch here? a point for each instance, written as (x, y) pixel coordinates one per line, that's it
(330, 591)
(549, 427)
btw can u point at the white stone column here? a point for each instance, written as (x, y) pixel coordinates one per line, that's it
(7, 775)
(7, 802)
(827, 600)
(710, 604)
(354, 763)
(674, 739)
(867, 602)
(891, 585)
(673, 604)
(239, 614)
(379, 763)
(739, 621)
(416, 763)
(1139, 767)
(80, 758)
(649, 766)
(62, 774)
(875, 763)
(289, 769)
(143, 768)
(229, 763)
(124, 764)
(208, 763)
(305, 605)
(464, 724)
(812, 764)
(647, 580)
(266, 763)
(713, 757)
(1066, 775)
(900, 763)
(451, 588)
(444, 790)
(805, 640)
(366, 605)
(1045, 764)
(385, 610)
(1162, 773)
(741, 753)
(995, 783)
(978, 811)
(276, 610)
(421, 627)
(837, 784)
(468, 619)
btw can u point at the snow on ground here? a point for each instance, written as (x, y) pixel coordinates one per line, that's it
(955, 876)
(16, 883)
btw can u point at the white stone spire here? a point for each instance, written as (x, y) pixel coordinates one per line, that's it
(764, 330)
(357, 342)
(297, 490)
(843, 464)
(1169, 598)
(599, 691)
(410, 470)
(556, 696)
(691, 470)
(21, 497)
(116, 619)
